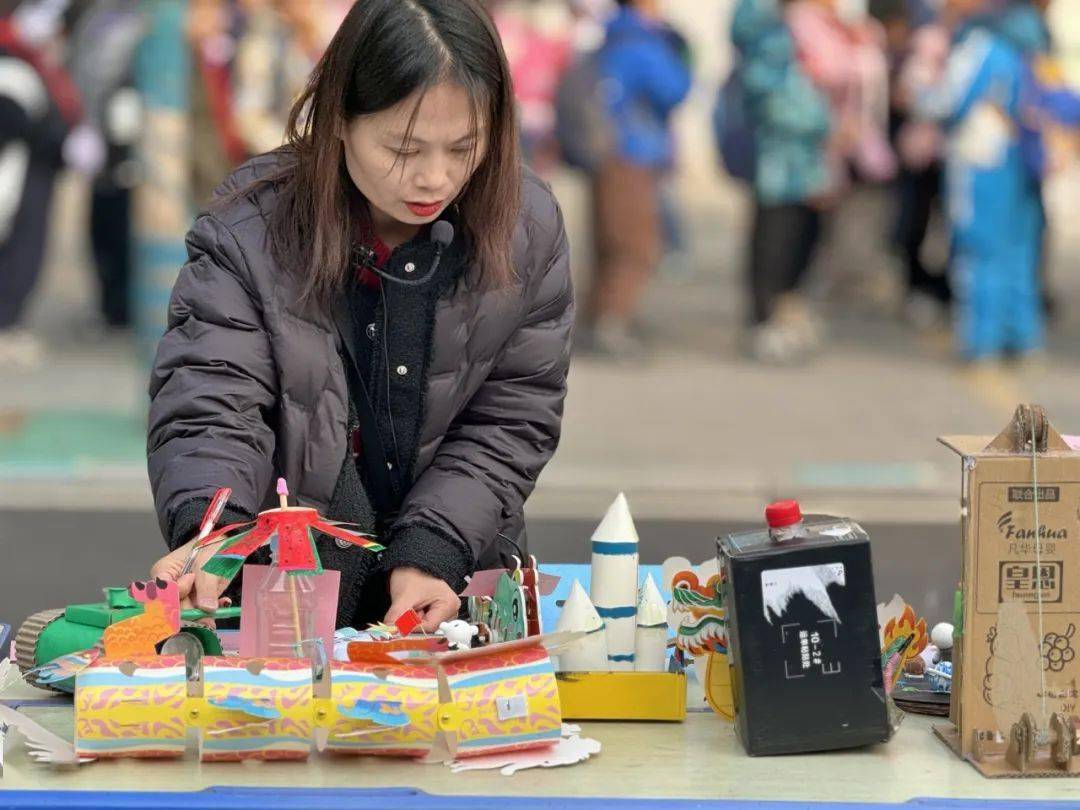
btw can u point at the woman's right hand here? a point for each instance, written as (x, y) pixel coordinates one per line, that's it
(198, 589)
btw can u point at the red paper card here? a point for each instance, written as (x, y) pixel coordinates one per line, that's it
(407, 622)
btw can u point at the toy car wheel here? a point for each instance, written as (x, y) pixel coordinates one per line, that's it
(26, 641)
(187, 644)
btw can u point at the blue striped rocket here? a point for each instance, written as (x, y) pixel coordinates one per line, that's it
(614, 581)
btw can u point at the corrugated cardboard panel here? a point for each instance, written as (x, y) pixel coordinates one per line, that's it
(979, 446)
(1001, 563)
(966, 445)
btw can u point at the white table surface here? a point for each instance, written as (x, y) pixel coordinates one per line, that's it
(700, 758)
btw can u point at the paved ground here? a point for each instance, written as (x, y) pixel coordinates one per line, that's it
(695, 433)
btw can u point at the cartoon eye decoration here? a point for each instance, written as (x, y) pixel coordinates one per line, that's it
(161, 583)
(141, 586)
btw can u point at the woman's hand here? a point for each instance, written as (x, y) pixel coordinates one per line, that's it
(198, 589)
(433, 600)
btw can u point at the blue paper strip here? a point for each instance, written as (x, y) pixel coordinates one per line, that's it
(626, 612)
(614, 549)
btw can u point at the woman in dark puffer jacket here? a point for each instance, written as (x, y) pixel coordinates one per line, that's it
(379, 311)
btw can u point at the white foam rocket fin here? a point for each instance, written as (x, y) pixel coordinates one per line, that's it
(650, 638)
(578, 613)
(590, 652)
(651, 608)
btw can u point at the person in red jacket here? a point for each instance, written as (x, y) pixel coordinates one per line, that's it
(39, 114)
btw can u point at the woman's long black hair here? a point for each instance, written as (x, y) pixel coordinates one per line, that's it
(384, 51)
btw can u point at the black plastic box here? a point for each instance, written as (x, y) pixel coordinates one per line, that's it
(803, 640)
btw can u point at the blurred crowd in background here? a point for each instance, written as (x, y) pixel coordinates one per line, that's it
(961, 108)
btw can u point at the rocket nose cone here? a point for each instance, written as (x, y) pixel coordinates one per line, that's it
(617, 525)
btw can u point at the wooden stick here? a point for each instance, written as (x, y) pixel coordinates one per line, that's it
(283, 499)
(295, 613)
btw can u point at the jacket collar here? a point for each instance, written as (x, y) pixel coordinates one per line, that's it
(419, 250)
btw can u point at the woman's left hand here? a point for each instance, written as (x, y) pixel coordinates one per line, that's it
(433, 600)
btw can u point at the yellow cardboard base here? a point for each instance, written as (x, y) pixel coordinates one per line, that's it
(622, 696)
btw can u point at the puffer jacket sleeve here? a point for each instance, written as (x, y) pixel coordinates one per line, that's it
(213, 385)
(496, 447)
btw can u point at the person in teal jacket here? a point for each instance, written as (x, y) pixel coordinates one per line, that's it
(788, 115)
(993, 194)
(789, 125)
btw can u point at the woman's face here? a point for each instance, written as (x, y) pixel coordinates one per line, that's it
(412, 180)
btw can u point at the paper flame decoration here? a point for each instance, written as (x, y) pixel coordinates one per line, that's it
(906, 625)
(290, 533)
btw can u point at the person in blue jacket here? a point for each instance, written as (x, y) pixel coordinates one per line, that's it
(644, 75)
(993, 194)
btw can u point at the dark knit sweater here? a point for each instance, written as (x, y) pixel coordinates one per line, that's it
(397, 390)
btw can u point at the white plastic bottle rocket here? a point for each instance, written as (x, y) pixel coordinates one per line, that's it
(614, 581)
(650, 646)
(588, 654)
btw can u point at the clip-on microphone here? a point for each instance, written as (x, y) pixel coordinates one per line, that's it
(442, 234)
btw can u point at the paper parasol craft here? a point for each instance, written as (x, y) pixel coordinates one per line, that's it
(290, 533)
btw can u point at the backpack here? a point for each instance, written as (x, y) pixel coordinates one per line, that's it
(1046, 104)
(732, 129)
(583, 129)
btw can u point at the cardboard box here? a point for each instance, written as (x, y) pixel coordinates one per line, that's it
(803, 639)
(1000, 671)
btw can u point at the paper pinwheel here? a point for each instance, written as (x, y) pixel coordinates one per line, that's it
(290, 533)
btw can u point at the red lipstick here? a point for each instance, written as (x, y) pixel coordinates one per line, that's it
(425, 209)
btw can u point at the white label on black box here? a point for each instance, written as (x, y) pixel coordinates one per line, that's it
(779, 586)
(810, 649)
